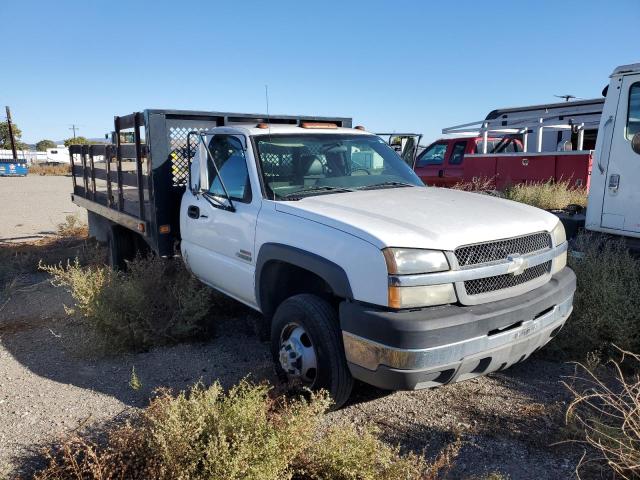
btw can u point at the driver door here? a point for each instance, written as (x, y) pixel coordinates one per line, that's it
(430, 164)
(218, 232)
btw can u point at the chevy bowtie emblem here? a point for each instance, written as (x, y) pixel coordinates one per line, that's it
(517, 265)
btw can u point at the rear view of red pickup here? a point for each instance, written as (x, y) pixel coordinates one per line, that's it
(451, 161)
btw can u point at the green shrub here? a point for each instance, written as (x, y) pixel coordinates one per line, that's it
(156, 302)
(548, 195)
(343, 453)
(606, 303)
(244, 434)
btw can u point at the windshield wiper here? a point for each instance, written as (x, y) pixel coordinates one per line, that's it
(314, 191)
(391, 184)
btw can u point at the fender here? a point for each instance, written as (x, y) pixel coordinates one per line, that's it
(332, 273)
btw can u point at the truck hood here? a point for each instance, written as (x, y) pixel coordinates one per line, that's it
(419, 217)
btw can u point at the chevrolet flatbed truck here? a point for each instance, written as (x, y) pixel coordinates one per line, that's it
(360, 270)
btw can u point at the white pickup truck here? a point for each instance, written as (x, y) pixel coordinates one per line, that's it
(362, 271)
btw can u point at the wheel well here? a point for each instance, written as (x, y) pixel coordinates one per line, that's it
(280, 280)
(126, 244)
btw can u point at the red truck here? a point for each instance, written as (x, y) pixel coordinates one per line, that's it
(448, 162)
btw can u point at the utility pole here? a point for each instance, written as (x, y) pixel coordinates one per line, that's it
(74, 128)
(11, 139)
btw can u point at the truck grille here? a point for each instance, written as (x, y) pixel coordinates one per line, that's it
(501, 249)
(508, 280)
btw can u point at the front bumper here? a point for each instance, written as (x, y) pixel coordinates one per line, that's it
(406, 350)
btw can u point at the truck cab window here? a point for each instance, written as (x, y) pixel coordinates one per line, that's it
(434, 155)
(229, 156)
(457, 155)
(305, 164)
(633, 116)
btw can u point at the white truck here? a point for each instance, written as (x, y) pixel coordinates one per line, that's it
(361, 271)
(614, 195)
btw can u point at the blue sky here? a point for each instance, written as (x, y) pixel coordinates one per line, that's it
(393, 66)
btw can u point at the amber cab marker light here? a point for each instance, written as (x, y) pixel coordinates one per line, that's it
(360, 127)
(164, 228)
(318, 125)
(141, 227)
(262, 125)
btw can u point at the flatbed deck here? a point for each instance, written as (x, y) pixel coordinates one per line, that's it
(138, 179)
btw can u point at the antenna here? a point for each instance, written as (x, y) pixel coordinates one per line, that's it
(266, 97)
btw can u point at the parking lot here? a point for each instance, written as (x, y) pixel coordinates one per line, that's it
(33, 206)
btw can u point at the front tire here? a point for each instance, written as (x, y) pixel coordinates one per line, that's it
(306, 344)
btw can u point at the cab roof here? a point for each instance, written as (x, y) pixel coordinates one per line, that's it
(252, 129)
(631, 68)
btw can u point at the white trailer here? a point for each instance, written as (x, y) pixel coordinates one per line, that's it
(58, 154)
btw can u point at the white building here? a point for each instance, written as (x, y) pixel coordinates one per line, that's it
(59, 154)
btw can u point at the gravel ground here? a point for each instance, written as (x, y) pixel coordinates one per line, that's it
(33, 206)
(54, 381)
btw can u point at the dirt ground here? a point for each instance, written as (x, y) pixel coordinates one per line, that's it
(54, 381)
(33, 206)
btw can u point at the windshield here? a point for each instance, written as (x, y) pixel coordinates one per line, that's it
(301, 165)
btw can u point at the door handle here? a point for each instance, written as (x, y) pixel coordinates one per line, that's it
(614, 182)
(193, 211)
(440, 173)
(599, 154)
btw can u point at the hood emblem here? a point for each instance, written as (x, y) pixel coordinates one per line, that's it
(517, 264)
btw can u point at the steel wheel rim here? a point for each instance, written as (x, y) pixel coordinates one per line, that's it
(297, 354)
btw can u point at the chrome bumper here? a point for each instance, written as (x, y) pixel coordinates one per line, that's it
(464, 359)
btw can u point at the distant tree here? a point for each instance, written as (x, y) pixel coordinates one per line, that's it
(42, 145)
(5, 142)
(76, 141)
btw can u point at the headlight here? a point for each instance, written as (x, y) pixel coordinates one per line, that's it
(559, 263)
(559, 237)
(425, 296)
(558, 234)
(407, 261)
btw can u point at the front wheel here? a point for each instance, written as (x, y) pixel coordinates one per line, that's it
(306, 343)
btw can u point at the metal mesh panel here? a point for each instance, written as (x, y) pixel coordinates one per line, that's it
(508, 280)
(499, 250)
(178, 153)
(278, 161)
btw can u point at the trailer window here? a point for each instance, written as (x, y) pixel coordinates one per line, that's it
(633, 116)
(433, 155)
(229, 156)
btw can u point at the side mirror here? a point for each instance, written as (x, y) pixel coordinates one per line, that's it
(635, 143)
(194, 175)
